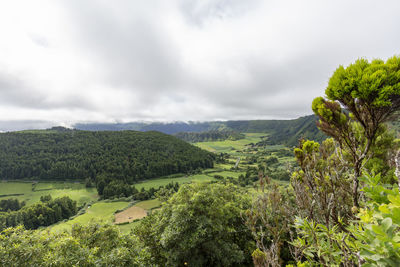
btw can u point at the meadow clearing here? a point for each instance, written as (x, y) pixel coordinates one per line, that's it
(30, 192)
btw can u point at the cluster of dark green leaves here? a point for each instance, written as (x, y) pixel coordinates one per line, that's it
(11, 204)
(200, 225)
(40, 214)
(162, 191)
(90, 245)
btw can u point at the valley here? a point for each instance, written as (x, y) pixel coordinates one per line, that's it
(126, 211)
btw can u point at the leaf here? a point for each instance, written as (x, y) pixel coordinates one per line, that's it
(386, 224)
(377, 229)
(394, 199)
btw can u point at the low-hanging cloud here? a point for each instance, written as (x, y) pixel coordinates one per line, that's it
(81, 61)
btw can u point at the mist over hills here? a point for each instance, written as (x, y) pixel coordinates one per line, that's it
(286, 132)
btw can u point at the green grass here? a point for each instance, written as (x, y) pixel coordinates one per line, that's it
(229, 174)
(230, 146)
(224, 166)
(149, 204)
(126, 228)
(100, 211)
(156, 183)
(75, 191)
(58, 185)
(7, 188)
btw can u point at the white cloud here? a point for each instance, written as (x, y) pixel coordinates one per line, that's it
(71, 61)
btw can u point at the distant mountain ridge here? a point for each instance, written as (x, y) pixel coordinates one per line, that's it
(286, 132)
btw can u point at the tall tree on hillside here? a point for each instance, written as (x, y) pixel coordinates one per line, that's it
(200, 225)
(359, 99)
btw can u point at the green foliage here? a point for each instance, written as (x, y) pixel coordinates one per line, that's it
(100, 211)
(361, 98)
(200, 225)
(125, 155)
(379, 237)
(11, 204)
(376, 83)
(322, 245)
(322, 184)
(373, 240)
(91, 245)
(270, 220)
(40, 214)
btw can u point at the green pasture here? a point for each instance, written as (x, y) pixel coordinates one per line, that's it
(230, 146)
(32, 193)
(233, 174)
(224, 166)
(147, 205)
(9, 188)
(156, 183)
(126, 228)
(100, 211)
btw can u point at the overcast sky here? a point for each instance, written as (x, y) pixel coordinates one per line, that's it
(63, 62)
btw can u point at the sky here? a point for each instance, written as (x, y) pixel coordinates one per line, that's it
(64, 62)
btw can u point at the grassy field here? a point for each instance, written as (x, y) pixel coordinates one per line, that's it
(126, 228)
(229, 146)
(146, 205)
(32, 194)
(100, 211)
(156, 183)
(7, 188)
(149, 204)
(234, 174)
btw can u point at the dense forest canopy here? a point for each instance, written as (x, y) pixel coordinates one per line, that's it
(128, 156)
(44, 213)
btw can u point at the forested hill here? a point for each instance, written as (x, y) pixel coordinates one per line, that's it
(286, 132)
(194, 137)
(168, 128)
(127, 156)
(279, 131)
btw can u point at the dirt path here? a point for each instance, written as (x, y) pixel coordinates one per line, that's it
(130, 214)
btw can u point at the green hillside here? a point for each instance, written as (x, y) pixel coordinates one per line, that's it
(286, 132)
(128, 156)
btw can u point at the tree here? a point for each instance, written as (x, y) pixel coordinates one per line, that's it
(90, 245)
(270, 220)
(321, 186)
(201, 225)
(359, 99)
